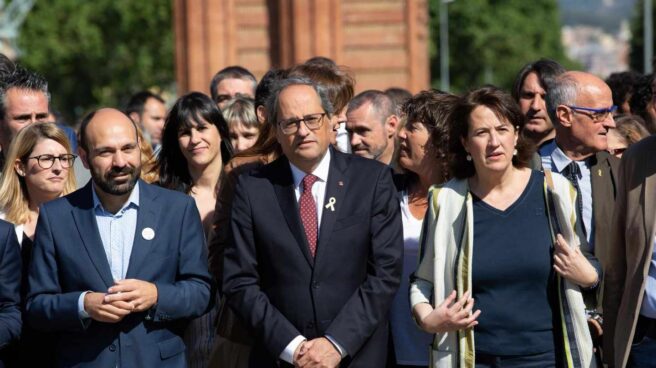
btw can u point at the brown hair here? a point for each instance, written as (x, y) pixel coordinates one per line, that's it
(504, 107)
(336, 81)
(631, 127)
(432, 108)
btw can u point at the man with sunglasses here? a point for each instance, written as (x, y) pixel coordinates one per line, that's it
(316, 250)
(581, 107)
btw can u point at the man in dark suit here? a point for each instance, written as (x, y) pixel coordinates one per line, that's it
(10, 278)
(630, 280)
(317, 244)
(120, 265)
(581, 105)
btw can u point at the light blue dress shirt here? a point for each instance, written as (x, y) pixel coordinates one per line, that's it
(554, 159)
(117, 234)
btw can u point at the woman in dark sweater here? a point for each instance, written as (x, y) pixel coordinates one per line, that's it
(497, 235)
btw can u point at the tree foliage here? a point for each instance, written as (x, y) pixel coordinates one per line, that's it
(97, 53)
(490, 40)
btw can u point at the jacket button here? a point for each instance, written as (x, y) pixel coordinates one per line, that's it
(310, 325)
(112, 348)
(315, 285)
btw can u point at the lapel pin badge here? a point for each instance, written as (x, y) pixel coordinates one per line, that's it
(340, 183)
(148, 233)
(331, 204)
(599, 172)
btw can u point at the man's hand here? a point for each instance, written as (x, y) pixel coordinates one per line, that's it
(572, 264)
(141, 295)
(101, 311)
(297, 353)
(319, 353)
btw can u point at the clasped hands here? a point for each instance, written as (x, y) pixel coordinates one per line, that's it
(319, 352)
(124, 297)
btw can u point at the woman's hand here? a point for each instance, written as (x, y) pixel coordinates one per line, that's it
(449, 316)
(572, 264)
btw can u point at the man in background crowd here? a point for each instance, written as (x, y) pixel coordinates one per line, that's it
(24, 100)
(229, 82)
(371, 121)
(148, 110)
(530, 90)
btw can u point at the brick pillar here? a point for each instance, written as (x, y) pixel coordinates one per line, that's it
(384, 43)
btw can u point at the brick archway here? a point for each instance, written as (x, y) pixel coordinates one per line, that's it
(383, 42)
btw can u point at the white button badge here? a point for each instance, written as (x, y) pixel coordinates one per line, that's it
(148, 233)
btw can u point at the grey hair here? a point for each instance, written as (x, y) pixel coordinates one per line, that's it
(272, 108)
(21, 78)
(382, 104)
(563, 91)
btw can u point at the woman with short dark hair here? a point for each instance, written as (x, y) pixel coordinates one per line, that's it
(194, 148)
(505, 236)
(422, 155)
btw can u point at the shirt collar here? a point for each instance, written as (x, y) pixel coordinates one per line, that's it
(561, 160)
(132, 200)
(321, 171)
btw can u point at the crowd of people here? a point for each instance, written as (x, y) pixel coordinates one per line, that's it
(291, 222)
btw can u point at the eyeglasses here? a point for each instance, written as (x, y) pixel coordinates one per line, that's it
(596, 115)
(46, 161)
(312, 122)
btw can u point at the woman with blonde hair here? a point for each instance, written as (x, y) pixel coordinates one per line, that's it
(38, 168)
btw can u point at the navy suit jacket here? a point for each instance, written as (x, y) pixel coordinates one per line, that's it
(10, 278)
(69, 258)
(278, 289)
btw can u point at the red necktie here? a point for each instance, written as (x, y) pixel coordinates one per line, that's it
(309, 212)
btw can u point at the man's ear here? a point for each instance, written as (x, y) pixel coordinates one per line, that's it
(135, 117)
(391, 124)
(261, 114)
(83, 156)
(564, 116)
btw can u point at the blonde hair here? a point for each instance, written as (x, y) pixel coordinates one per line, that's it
(149, 168)
(241, 110)
(14, 197)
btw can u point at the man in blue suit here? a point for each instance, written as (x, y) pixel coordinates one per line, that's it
(10, 277)
(119, 266)
(317, 251)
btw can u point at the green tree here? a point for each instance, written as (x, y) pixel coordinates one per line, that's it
(97, 53)
(490, 40)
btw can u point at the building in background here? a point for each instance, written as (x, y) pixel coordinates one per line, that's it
(384, 43)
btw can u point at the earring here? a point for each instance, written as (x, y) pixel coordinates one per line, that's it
(515, 152)
(468, 157)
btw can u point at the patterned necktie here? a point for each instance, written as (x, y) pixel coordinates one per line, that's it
(308, 209)
(572, 172)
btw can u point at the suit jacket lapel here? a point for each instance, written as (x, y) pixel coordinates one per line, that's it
(648, 206)
(335, 189)
(147, 216)
(283, 185)
(85, 220)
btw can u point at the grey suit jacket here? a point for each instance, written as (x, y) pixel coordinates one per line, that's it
(632, 239)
